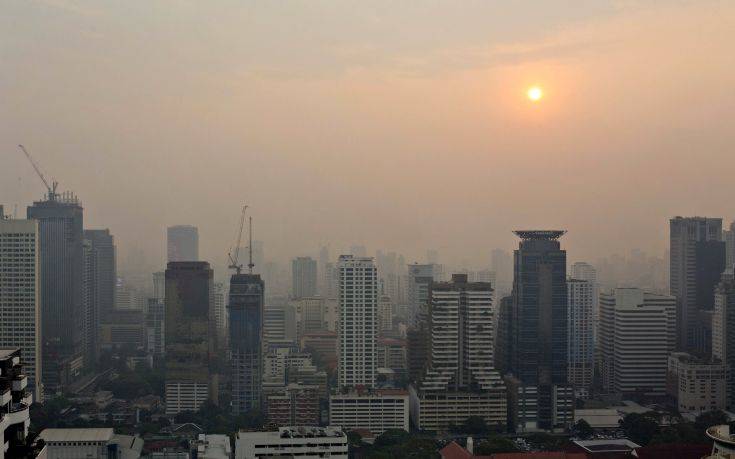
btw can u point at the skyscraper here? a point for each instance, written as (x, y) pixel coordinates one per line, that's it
(20, 324)
(637, 334)
(461, 380)
(182, 243)
(246, 312)
(730, 246)
(188, 337)
(304, 274)
(358, 317)
(723, 328)
(539, 359)
(101, 271)
(419, 279)
(60, 223)
(581, 343)
(697, 261)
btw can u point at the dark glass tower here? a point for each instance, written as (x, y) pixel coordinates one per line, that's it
(539, 330)
(246, 301)
(60, 223)
(99, 289)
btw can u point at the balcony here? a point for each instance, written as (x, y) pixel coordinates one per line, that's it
(18, 412)
(5, 396)
(20, 382)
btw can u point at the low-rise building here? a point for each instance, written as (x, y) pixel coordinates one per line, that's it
(392, 354)
(213, 447)
(100, 443)
(697, 385)
(376, 411)
(301, 442)
(294, 405)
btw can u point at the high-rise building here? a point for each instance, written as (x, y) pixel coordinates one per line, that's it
(358, 321)
(99, 287)
(20, 319)
(220, 316)
(502, 263)
(60, 233)
(461, 380)
(182, 243)
(697, 261)
(15, 402)
(188, 337)
(385, 314)
(730, 246)
(504, 335)
(580, 337)
(159, 285)
(419, 279)
(697, 385)
(637, 334)
(304, 274)
(586, 272)
(723, 329)
(155, 328)
(539, 359)
(246, 341)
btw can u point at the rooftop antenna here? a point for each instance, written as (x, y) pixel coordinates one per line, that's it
(50, 188)
(233, 260)
(250, 244)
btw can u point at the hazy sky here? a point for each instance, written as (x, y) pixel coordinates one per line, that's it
(400, 125)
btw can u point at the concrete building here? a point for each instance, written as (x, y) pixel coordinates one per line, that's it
(182, 242)
(581, 342)
(301, 442)
(504, 335)
(100, 278)
(60, 234)
(155, 328)
(461, 380)
(315, 314)
(539, 349)
(697, 385)
(358, 321)
(295, 404)
(419, 279)
(15, 402)
(279, 324)
(391, 353)
(385, 314)
(723, 446)
(376, 410)
(586, 272)
(637, 334)
(220, 316)
(246, 311)
(322, 343)
(304, 275)
(20, 314)
(729, 236)
(697, 261)
(213, 447)
(188, 337)
(95, 443)
(723, 329)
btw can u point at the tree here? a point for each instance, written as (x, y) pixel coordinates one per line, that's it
(583, 429)
(711, 418)
(640, 428)
(391, 437)
(354, 439)
(496, 444)
(546, 442)
(473, 425)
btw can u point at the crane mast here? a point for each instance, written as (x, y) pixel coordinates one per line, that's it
(50, 188)
(234, 260)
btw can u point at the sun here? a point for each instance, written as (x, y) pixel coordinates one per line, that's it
(535, 93)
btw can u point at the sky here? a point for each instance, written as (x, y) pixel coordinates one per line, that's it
(401, 126)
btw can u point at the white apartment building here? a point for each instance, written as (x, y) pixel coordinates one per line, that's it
(185, 396)
(637, 334)
(96, 443)
(376, 411)
(580, 336)
(697, 385)
(20, 320)
(358, 321)
(301, 442)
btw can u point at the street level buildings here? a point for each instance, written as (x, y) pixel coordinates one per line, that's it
(307, 442)
(375, 410)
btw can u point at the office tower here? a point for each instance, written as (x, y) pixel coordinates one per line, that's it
(280, 328)
(220, 316)
(182, 243)
(539, 359)
(159, 285)
(580, 336)
(461, 380)
(303, 270)
(20, 324)
(14, 405)
(637, 334)
(730, 246)
(60, 233)
(586, 272)
(331, 275)
(188, 334)
(697, 261)
(155, 328)
(246, 308)
(358, 317)
(100, 276)
(385, 314)
(723, 329)
(419, 279)
(504, 335)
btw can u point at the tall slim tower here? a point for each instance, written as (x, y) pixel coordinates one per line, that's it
(188, 336)
(358, 321)
(246, 301)
(539, 359)
(304, 274)
(581, 342)
(100, 281)
(723, 328)
(20, 325)
(697, 261)
(182, 243)
(60, 232)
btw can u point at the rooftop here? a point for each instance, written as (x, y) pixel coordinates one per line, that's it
(539, 234)
(8, 351)
(59, 435)
(607, 446)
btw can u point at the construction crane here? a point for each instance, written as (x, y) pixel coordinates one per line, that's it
(250, 245)
(233, 260)
(51, 188)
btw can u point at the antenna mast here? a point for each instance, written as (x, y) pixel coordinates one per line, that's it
(250, 244)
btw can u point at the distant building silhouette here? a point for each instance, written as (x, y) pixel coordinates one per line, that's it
(304, 275)
(182, 243)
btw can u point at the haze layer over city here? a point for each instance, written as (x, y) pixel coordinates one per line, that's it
(399, 126)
